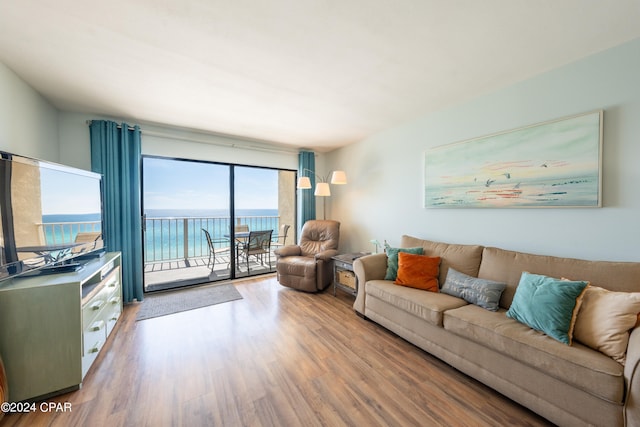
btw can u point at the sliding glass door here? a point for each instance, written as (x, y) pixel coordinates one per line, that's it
(208, 221)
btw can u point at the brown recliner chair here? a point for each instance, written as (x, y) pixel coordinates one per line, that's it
(307, 266)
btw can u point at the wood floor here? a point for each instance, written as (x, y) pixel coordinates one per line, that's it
(278, 357)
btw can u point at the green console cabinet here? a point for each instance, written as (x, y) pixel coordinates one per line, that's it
(53, 326)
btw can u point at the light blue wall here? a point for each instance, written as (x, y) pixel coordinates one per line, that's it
(383, 199)
(28, 122)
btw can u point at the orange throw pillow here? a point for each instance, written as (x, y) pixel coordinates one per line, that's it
(418, 271)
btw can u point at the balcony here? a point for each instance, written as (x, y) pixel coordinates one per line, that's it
(177, 252)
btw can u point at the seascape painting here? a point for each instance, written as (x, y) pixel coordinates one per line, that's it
(552, 164)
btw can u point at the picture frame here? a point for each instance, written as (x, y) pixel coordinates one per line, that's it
(557, 163)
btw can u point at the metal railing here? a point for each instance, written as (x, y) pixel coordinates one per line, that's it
(65, 232)
(168, 238)
(176, 238)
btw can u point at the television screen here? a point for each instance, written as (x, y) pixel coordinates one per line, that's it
(49, 214)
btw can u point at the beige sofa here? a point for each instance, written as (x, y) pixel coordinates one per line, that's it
(569, 385)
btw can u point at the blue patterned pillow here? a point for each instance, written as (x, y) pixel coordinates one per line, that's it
(481, 292)
(546, 304)
(392, 260)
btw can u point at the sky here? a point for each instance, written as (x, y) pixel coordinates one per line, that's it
(65, 192)
(181, 184)
(566, 147)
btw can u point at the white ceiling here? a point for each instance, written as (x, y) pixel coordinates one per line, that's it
(309, 73)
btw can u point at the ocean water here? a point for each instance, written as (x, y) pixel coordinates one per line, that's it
(578, 192)
(63, 228)
(177, 234)
(169, 233)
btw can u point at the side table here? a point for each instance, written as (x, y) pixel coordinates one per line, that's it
(343, 275)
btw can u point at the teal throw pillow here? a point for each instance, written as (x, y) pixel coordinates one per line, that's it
(482, 292)
(546, 304)
(392, 260)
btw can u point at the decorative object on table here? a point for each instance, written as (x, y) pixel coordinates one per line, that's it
(307, 265)
(343, 275)
(377, 244)
(322, 186)
(551, 164)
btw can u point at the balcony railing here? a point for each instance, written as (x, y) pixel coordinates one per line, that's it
(66, 232)
(177, 238)
(168, 238)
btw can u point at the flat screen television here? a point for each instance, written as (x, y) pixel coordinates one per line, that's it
(49, 215)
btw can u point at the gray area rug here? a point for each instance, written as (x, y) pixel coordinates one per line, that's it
(186, 299)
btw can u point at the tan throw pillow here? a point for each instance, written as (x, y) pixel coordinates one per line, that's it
(605, 319)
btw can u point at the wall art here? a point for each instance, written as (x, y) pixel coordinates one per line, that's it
(552, 164)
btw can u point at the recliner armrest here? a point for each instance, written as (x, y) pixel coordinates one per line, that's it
(326, 255)
(289, 250)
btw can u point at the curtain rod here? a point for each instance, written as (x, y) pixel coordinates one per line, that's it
(220, 144)
(160, 134)
(118, 125)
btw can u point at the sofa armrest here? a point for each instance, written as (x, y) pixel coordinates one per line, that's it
(326, 255)
(289, 250)
(632, 380)
(369, 267)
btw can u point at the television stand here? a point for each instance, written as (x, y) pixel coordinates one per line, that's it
(55, 325)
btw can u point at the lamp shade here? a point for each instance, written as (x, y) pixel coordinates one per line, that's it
(304, 182)
(322, 189)
(338, 177)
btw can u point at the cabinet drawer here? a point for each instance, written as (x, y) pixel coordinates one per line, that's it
(112, 312)
(112, 281)
(342, 264)
(94, 336)
(108, 288)
(92, 308)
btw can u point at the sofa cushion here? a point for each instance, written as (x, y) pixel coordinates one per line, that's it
(392, 260)
(507, 266)
(464, 258)
(547, 304)
(605, 319)
(429, 306)
(578, 365)
(481, 292)
(418, 271)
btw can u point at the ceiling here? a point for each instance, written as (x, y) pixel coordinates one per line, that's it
(307, 73)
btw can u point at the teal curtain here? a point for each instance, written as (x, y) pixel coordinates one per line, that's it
(115, 153)
(307, 201)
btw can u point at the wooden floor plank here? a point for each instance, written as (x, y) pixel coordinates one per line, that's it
(277, 357)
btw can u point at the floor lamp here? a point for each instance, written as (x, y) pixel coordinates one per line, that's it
(322, 187)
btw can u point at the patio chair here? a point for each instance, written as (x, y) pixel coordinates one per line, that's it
(258, 245)
(241, 228)
(82, 238)
(212, 248)
(280, 239)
